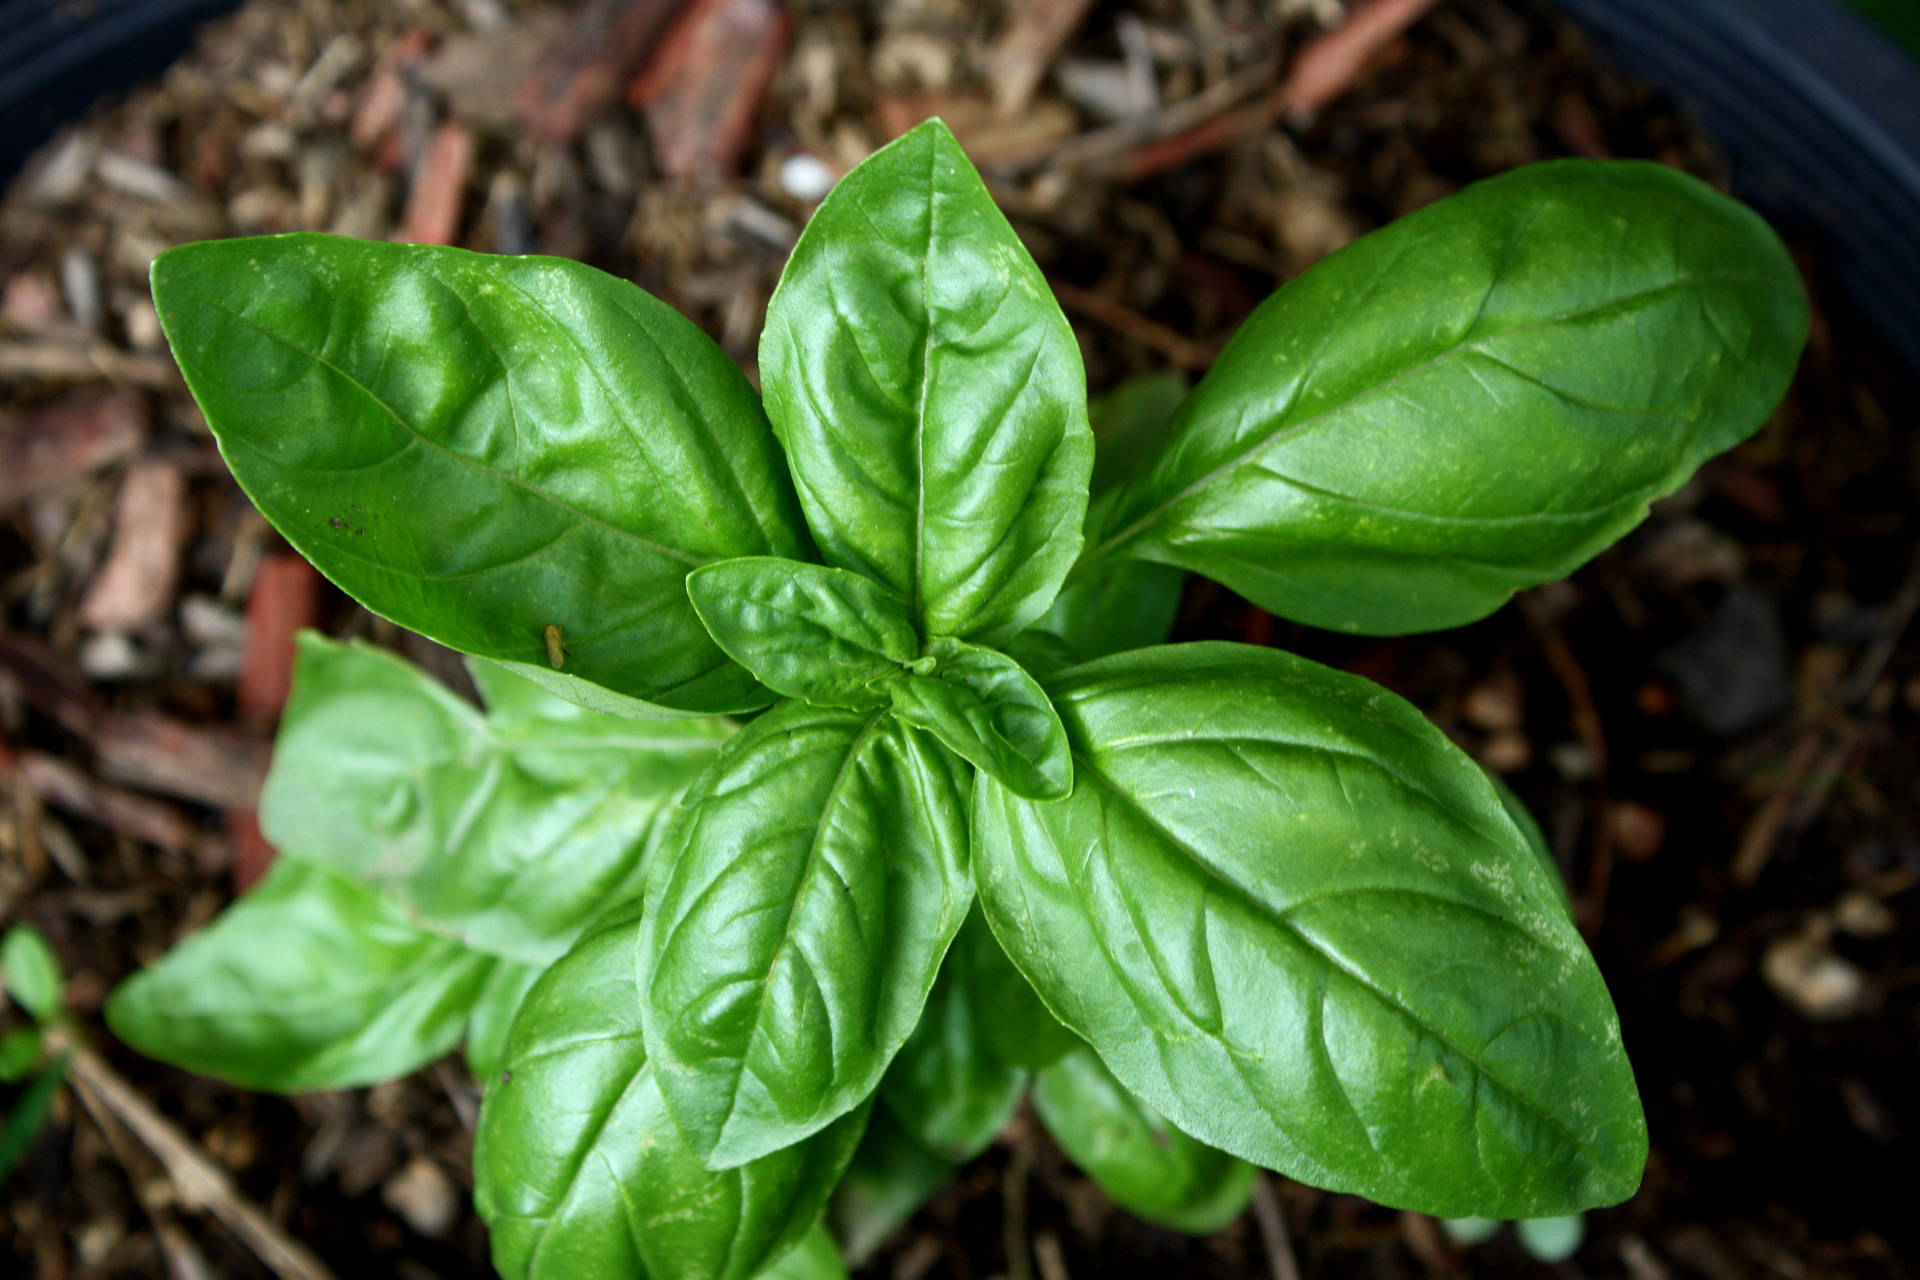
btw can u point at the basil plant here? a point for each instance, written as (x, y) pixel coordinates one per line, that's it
(834, 778)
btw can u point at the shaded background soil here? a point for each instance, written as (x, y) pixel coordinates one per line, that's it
(1714, 721)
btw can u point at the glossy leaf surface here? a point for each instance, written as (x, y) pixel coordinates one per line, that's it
(1150, 1168)
(890, 1178)
(816, 1257)
(947, 1088)
(1296, 920)
(1124, 604)
(509, 832)
(308, 982)
(930, 394)
(481, 447)
(30, 972)
(580, 1170)
(827, 636)
(1016, 1025)
(818, 874)
(985, 707)
(1473, 400)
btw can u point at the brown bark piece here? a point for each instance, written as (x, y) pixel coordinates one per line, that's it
(703, 86)
(285, 599)
(385, 94)
(135, 587)
(1026, 49)
(439, 187)
(68, 441)
(586, 64)
(1330, 62)
(989, 141)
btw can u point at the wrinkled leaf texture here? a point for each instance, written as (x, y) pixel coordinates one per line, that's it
(818, 874)
(580, 1170)
(1297, 921)
(930, 393)
(479, 447)
(1474, 399)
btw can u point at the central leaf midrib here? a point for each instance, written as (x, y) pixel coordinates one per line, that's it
(807, 880)
(1252, 903)
(1466, 344)
(503, 477)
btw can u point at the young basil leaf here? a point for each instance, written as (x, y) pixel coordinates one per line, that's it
(1536, 838)
(1475, 399)
(30, 972)
(946, 1087)
(930, 394)
(990, 712)
(819, 873)
(29, 1115)
(1295, 919)
(20, 1050)
(1016, 1027)
(1127, 604)
(511, 831)
(816, 1257)
(479, 448)
(492, 1015)
(827, 636)
(308, 982)
(1126, 422)
(1150, 1168)
(890, 1178)
(579, 1170)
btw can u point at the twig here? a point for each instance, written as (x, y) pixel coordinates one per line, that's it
(1013, 1221)
(97, 362)
(1108, 147)
(1329, 63)
(1818, 761)
(1593, 736)
(198, 1180)
(1899, 615)
(1273, 1230)
(1048, 1255)
(1181, 351)
(1019, 59)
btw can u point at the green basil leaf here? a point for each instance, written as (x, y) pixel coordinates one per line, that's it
(1128, 604)
(1126, 422)
(492, 1015)
(930, 394)
(30, 972)
(479, 448)
(511, 832)
(816, 1257)
(20, 1049)
(1296, 920)
(308, 982)
(990, 712)
(1150, 1168)
(1015, 1024)
(946, 1087)
(29, 1115)
(579, 1170)
(828, 636)
(890, 1178)
(819, 873)
(1472, 400)
(1536, 838)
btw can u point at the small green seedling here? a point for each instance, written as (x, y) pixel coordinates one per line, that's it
(834, 777)
(31, 1058)
(1545, 1239)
